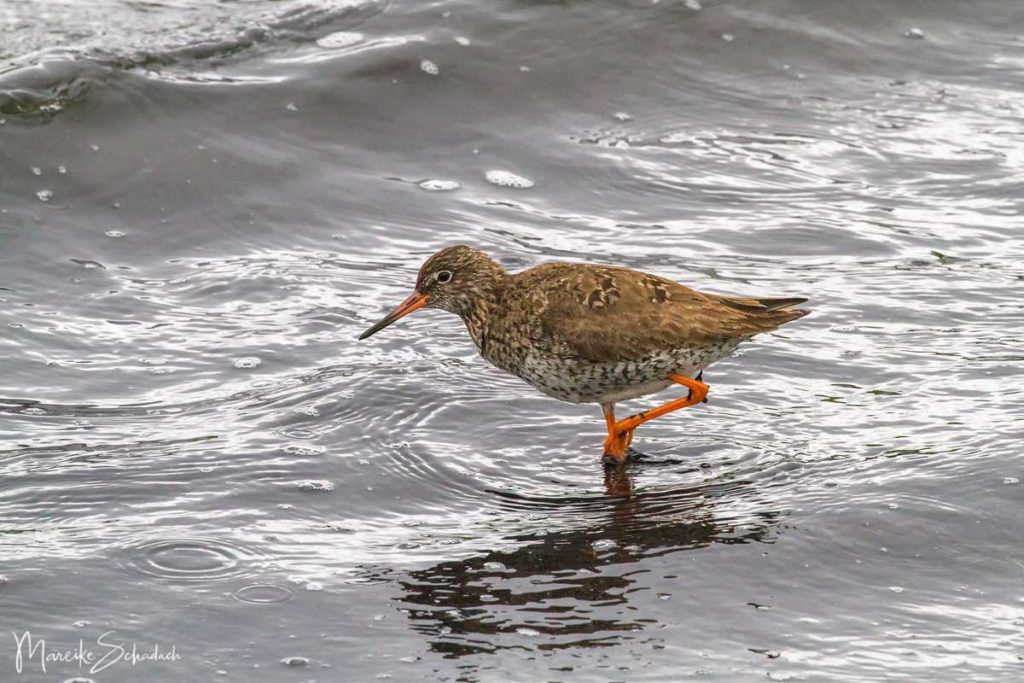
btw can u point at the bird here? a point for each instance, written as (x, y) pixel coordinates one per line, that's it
(591, 333)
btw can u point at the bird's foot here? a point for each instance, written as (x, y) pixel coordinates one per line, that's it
(616, 447)
(699, 378)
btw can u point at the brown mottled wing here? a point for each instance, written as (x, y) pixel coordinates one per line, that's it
(603, 313)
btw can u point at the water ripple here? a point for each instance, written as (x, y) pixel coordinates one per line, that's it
(191, 559)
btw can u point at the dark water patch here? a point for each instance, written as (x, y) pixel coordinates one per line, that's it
(37, 92)
(562, 590)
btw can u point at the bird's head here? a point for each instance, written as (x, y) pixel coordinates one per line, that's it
(456, 279)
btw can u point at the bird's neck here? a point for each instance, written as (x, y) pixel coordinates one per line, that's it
(483, 310)
(476, 320)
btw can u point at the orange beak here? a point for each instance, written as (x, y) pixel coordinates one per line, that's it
(413, 302)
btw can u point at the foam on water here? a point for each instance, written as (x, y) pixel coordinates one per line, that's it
(340, 39)
(508, 179)
(439, 185)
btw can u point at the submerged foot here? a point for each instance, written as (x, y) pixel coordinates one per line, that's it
(616, 447)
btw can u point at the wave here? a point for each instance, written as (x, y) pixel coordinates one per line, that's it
(188, 46)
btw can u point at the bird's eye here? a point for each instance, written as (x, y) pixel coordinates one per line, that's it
(444, 276)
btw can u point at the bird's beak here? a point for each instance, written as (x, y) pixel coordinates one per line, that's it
(413, 302)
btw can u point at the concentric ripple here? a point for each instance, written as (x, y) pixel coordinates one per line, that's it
(263, 594)
(191, 559)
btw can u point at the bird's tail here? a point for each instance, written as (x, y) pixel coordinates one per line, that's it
(781, 303)
(763, 315)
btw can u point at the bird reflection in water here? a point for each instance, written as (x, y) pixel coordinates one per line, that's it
(618, 481)
(572, 586)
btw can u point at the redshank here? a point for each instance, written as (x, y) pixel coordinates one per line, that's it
(587, 333)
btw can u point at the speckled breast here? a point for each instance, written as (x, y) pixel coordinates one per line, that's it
(579, 381)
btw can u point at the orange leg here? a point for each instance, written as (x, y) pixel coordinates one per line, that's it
(621, 433)
(617, 443)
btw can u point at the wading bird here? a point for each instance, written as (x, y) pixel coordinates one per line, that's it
(588, 333)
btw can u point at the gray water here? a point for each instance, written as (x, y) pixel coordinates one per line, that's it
(202, 204)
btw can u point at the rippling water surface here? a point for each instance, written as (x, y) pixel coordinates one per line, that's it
(202, 204)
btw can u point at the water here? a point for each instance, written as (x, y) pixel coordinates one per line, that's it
(202, 204)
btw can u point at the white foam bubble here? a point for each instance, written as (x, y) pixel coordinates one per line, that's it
(429, 67)
(304, 449)
(439, 185)
(340, 39)
(507, 179)
(316, 486)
